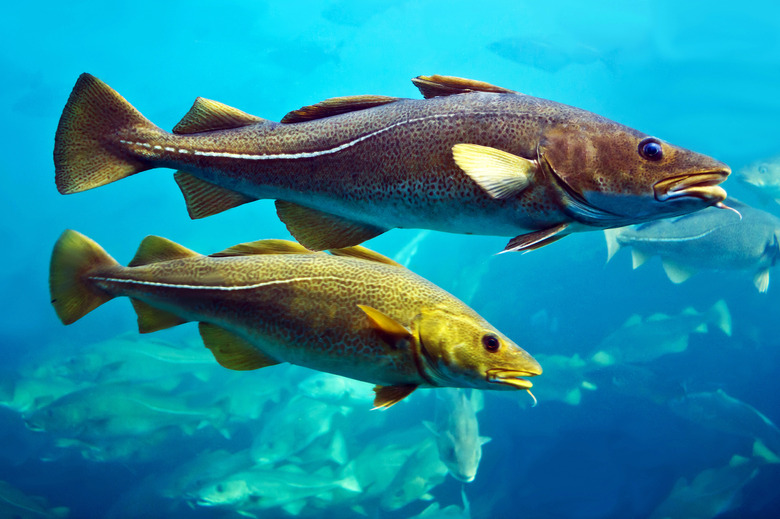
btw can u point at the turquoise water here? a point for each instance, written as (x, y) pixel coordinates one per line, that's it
(700, 75)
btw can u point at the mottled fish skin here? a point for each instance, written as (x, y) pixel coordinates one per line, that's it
(391, 163)
(311, 309)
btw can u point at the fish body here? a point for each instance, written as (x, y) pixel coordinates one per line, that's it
(456, 429)
(763, 176)
(16, 504)
(471, 158)
(420, 473)
(353, 313)
(708, 239)
(641, 340)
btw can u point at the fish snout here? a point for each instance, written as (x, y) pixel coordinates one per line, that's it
(703, 186)
(513, 377)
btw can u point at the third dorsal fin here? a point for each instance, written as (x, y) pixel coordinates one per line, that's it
(154, 249)
(207, 115)
(336, 106)
(437, 86)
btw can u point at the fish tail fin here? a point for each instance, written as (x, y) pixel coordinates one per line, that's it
(612, 243)
(763, 453)
(720, 316)
(74, 257)
(84, 155)
(348, 480)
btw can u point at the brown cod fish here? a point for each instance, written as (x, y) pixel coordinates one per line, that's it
(470, 158)
(353, 312)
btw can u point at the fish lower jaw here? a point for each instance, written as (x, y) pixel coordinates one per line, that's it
(703, 186)
(512, 378)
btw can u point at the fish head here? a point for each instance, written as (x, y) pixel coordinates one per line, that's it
(461, 349)
(461, 454)
(609, 175)
(764, 174)
(223, 493)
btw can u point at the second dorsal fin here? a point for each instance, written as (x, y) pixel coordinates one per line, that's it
(336, 106)
(437, 86)
(154, 249)
(365, 254)
(207, 115)
(263, 247)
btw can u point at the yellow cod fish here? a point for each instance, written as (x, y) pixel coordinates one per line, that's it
(470, 158)
(353, 312)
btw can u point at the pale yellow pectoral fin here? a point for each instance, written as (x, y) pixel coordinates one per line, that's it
(232, 351)
(677, 273)
(392, 332)
(761, 281)
(205, 199)
(207, 115)
(336, 106)
(263, 247)
(638, 258)
(317, 230)
(387, 396)
(437, 86)
(499, 173)
(151, 319)
(154, 249)
(365, 254)
(537, 239)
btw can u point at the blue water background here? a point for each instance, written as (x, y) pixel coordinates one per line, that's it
(703, 75)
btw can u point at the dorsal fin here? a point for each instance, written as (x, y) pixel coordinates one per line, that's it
(154, 249)
(207, 115)
(437, 86)
(204, 198)
(263, 247)
(365, 254)
(335, 106)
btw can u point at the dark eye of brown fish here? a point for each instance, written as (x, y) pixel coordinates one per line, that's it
(651, 149)
(491, 342)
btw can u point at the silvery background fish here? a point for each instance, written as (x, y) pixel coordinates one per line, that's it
(763, 177)
(708, 239)
(470, 158)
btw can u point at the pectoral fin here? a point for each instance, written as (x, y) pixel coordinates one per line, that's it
(499, 173)
(437, 86)
(232, 351)
(392, 332)
(387, 396)
(761, 281)
(537, 239)
(317, 230)
(204, 198)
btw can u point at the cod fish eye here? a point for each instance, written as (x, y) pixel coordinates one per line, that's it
(651, 149)
(762, 170)
(491, 342)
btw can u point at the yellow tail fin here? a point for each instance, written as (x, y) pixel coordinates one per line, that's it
(83, 156)
(74, 257)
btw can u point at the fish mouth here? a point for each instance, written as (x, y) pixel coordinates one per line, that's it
(511, 377)
(703, 186)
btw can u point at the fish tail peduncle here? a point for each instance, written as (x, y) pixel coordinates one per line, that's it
(74, 257)
(85, 157)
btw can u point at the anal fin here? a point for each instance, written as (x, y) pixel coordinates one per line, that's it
(387, 396)
(677, 273)
(204, 198)
(232, 351)
(537, 239)
(151, 319)
(318, 230)
(638, 258)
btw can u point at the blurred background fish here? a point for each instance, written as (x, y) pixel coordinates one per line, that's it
(745, 239)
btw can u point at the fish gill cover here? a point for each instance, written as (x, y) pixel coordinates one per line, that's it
(658, 399)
